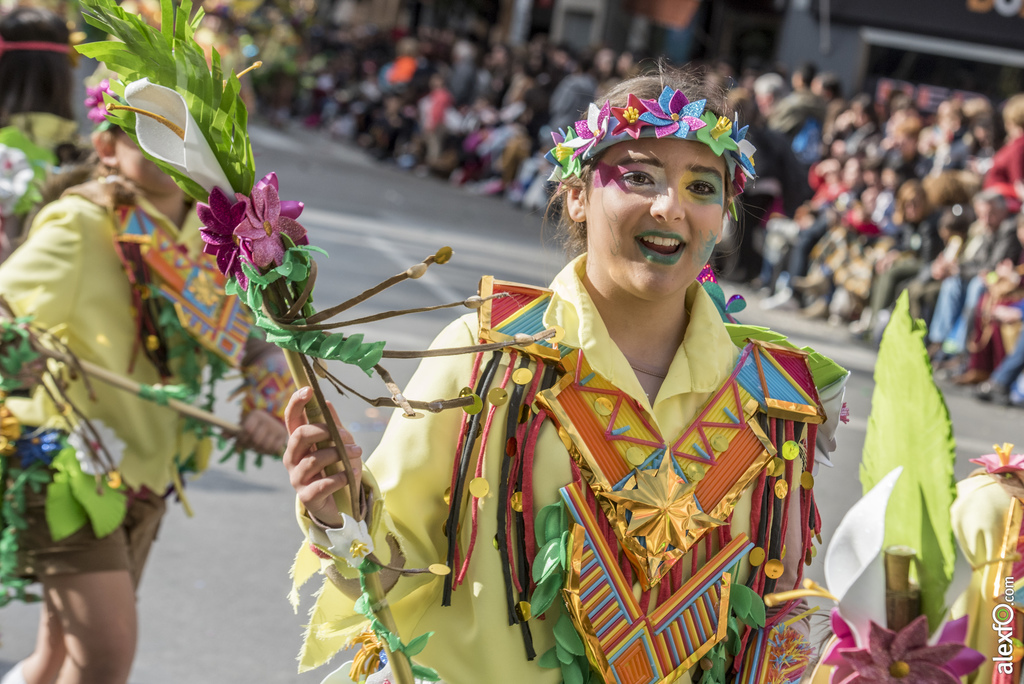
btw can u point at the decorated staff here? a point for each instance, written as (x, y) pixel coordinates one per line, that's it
(187, 116)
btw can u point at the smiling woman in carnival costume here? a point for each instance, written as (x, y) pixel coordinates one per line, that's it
(619, 498)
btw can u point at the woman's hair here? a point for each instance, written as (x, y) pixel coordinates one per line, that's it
(692, 82)
(911, 189)
(951, 187)
(34, 80)
(1013, 111)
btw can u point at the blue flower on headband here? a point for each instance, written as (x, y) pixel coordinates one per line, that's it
(744, 153)
(673, 113)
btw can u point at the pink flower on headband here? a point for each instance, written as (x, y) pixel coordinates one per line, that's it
(673, 113)
(94, 101)
(591, 131)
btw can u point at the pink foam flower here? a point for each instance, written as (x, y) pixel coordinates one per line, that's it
(261, 229)
(289, 208)
(220, 218)
(94, 103)
(903, 657)
(1002, 461)
(591, 131)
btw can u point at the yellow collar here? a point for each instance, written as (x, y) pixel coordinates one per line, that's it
(697, 366)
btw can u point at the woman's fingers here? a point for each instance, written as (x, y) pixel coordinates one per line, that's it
(294, 415)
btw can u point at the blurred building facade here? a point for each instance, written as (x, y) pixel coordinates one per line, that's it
(928, 48)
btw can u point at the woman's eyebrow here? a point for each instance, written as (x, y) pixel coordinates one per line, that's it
(638, 157)
(697, 168)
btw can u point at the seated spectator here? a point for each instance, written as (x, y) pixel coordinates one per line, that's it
(942, 145)
(997, 319)
(923, 290)
(916, 244)
(991, 239)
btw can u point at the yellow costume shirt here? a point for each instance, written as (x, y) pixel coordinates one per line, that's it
(413, 467)
(69, 278)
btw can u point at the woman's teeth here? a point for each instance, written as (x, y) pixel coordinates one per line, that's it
(662, 245)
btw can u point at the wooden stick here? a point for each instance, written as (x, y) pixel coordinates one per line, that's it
(121, 382)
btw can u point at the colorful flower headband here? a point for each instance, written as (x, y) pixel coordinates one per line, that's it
(672, 114)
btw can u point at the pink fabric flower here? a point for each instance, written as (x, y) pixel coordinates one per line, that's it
(97, 108)
(289, 208)
(591, 131)
(261, 228)
(1002, 461)
(903, 657)
(220, 218)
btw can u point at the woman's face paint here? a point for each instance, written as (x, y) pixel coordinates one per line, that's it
(654, 214)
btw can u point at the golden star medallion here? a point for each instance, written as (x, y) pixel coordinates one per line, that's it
(664, 509)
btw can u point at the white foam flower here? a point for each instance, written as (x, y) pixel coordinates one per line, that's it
(191, 156)
(16, 175)
(351, 542)
(85, 444)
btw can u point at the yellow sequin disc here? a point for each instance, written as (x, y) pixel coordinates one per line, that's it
(604, 406)
(756, 556)
(524, 611)
(807, 480)
(439, 569)
(497, 396)
(479, 487)
(774, 568)
(790, 450)
(635, 455)
(522, 376)
(517, 502)
(719, 443)
(781, 489)
(694, 472)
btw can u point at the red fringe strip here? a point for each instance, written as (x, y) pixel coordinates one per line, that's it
(481, 458)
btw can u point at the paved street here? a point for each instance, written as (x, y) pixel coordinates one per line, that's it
(213, 606)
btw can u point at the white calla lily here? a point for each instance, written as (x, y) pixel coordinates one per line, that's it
(854, 574)
(191, 156)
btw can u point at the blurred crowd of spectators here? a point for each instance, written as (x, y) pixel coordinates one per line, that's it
(856, 200)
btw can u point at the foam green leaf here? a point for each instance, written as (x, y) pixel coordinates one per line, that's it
(64, 514)
(910, 426)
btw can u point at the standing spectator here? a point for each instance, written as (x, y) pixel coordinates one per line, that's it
(462, 80)
(799, 116)
(1008, 162)
(769, 89)
(573, 95)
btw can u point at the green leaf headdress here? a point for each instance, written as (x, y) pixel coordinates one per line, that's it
(181, 111)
